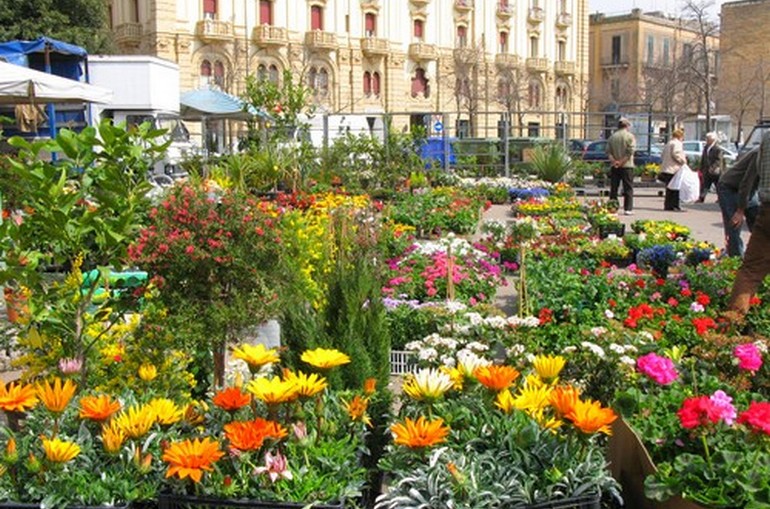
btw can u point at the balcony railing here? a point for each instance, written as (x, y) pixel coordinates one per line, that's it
(421, 51)
(565, 68)
(270, 36)
(374, 46)
(536, 15)
(209, 30)
(507, 60)
(128, 33)
(564, 20)
(318, 39)
(537, 64)
(504, 10)
(463, 5)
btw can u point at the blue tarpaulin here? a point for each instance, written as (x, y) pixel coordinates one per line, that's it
(211, 103)
(66, 59)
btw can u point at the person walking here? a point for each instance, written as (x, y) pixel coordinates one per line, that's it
(620, 151)
(756, 260)
(738, 199)
(672, 160)
(711, 161)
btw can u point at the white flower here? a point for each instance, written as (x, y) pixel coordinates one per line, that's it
(515, 350)
(647, 335)
(598, 331)
(594, 348)
(413, 345)
(696, 307)
(617, 348)
(627, 360)
(469, 361)
(496, 322)
(761, 345)
(477, 346)
(569, 349)
(529, 321)
(454, 306)
(427, 354)
(474, 318)
(448, 361)
(609, 314)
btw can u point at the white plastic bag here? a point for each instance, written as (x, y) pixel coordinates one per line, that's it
(687, 183)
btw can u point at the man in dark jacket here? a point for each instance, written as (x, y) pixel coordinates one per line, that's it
(738, 199)
(710, 165)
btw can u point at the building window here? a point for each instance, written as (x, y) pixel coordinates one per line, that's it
(503, 89)
(533, 47)
(650, 50)
(687, 53)
(109, 16)
(205, 69)
(666, 50)
(561, 51)
(418, 29)
(316, 17)
(420, 86)
(376, 84)
(533, 95)
(503, 42)
(615, 49)
(209, 9)
(318, 81)
(562, 97)
(134, 14)
(219, 74)
(462, 36)
(266, 12)
(370, 24)
(367, 84)
(272, 74)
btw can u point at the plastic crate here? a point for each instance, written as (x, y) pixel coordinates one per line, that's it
(585, 502)
(188, 502)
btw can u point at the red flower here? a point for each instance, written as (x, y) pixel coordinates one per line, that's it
(686, 292)
(757, 417)
(612, 303)
(640, 283)
(545, 316)
(672, 302)
(703, 299)
(755, 301)
(698, 411)
(702, 325)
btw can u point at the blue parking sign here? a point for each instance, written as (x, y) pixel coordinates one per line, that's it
(438, 127)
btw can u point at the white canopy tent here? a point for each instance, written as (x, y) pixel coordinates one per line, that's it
(20, 85)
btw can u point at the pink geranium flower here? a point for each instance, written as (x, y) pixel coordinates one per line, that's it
(749, 357)
(723, 407)
(661, 369)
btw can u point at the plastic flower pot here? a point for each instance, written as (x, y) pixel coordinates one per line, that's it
(168, 501)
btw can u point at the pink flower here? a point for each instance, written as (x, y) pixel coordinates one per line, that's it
(660, 369)
(749, 357)
(722, 405)
(70, 366)
(276, 467)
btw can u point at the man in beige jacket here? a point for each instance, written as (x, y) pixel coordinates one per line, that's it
(620, 151)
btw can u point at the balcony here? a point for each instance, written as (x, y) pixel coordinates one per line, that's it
(507, 60)
(370, 5)
(504, 10)
(128, 33)
(565, 68)
(614, 63)
(465, 55)
(537, 64)
(564, 20)
(319, 40)
(266, 36)
(420, 51)
(212, 30)
(463, 5)
(535, 15)
(420, 3)
(374, 46)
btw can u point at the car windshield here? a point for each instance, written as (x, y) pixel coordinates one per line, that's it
(755, 137)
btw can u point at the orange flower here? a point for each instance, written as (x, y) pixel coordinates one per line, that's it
(496, 377)
(56, 396)
(113, 437)
(250, 435)
(357, 409)
(370, 385)
(16, 397)
(231, 399)
(98, 408)
(189, 458)
(590, 417)
(420, 433)
(563, 399)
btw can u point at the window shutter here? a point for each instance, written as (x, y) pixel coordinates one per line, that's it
(209, 6)
(316, 18)
(418, 29)
(376, 84)
(370, 22)
(265, 12)
(367, 84)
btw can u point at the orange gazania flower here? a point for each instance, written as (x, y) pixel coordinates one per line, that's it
(113, 437)
(370, 385)
(250, 435)
(231, 399)
(306, 386)
(496, 378)
(98, 408)
(16, 397)
(563, 399)
(356, 409)
(56, 396)
(419, 433)
(324, 358)
(189, 458)
(590, 417)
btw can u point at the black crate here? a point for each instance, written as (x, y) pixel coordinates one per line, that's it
(188, 502)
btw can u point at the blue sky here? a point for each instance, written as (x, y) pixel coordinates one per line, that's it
(620, 6)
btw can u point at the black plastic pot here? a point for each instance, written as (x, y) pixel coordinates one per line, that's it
(188, 502)
(586, 502)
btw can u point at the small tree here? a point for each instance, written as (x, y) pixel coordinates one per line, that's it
(700, 63)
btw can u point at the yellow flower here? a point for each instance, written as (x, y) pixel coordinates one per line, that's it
(356, 409)
(590, 417)
(56, 397)
(548, 367)
(456, 375)
(468, 364)
(427, 385)
(59, 451)
(307, 385)
(113, 437)
(272, 391)
(148, 372)
(505, 402)
(533, 399)
(256, 356)
(323, 358)
(166, 411)
(136, 420)
(16, 397)
(420, 433)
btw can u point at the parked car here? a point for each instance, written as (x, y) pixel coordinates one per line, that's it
(597, 151)
(694, 148)
(577, 148)
(755, 136)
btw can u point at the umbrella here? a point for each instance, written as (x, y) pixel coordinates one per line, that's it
(20, 85)
(210, 103)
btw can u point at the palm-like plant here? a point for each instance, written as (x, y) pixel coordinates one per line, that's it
(551, 162)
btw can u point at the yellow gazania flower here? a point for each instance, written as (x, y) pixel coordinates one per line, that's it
(548, 367)
(256, 356)
(59, 451)
(16, 397)
(98, 408)
(190, 458)
(427, 385)
(113, 437)
(456, 375)
(420, 433)
(166, 411)
(590, 417)
(148, 372)
(136, 420)
(533, 380)
(356, 409)
(533, 399)
(495, 377)
(505, 402)
(272, 391)
(306, 385)
(324, 358)
(56, 397)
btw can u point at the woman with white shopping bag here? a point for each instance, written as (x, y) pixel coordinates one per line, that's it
(686, 181)
(673, 158)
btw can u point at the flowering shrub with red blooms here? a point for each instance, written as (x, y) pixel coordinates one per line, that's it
(661, 369)
(705, 410)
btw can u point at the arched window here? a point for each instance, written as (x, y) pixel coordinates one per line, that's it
(562, 97)
(312, 79)
(462, 36)
(219, 74)
(316, 17)
(376, 84)
(420, 86)
(205, 68)
(370, 24)
(503, 42)
(273, 74)
(418, 29)
(367, 84)
(323, 82)
(261, 72)
(533, 96)
(266, 12)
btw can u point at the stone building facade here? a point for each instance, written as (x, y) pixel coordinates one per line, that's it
(372, 56)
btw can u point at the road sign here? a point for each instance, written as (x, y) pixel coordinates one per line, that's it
(438, 127)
